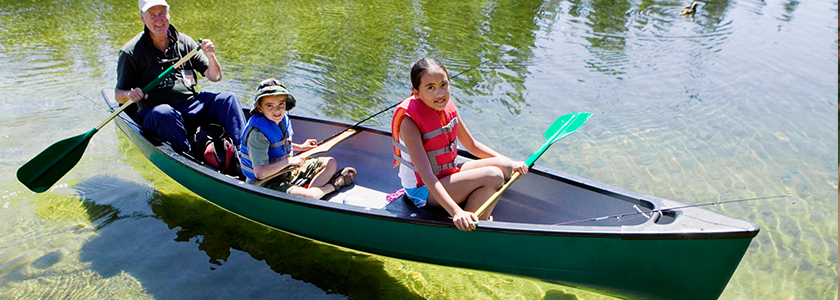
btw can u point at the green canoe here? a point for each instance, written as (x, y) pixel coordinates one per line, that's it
(686, 253)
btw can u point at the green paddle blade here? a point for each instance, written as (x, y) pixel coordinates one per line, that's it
(45, 169)
(566, 125)
(562, 127)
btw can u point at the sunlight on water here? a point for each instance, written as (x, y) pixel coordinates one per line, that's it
(734, 101)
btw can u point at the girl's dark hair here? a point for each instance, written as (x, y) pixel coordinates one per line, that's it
(270, 82)
(421, 66)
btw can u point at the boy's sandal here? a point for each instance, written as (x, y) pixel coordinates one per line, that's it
(347, 175)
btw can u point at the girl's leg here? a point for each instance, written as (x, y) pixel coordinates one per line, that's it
(504, 164)
(473, 185)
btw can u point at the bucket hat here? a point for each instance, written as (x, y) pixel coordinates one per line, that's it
(272, 90)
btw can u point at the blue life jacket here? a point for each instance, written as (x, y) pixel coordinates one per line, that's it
(280, 141)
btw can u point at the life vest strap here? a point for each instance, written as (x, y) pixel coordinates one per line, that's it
(406, 163)
(432, 158)
(399, 146)
(246, 168)
(280, 143)
(447, 149)
(445, 129)
(437, 169)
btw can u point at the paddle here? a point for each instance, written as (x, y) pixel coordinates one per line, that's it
(562, 127)
(322, 147)
(46, 168)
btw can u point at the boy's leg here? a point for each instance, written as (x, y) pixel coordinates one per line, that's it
(319, 186)
(311, 192)
(323, 176)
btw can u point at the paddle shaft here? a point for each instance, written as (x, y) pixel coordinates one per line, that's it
(152, 84)
(497, 194)
(529, 162)
(323, 147)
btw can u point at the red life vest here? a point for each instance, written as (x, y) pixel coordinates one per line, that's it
(439, 131)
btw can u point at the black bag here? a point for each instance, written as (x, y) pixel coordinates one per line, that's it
(215, 147)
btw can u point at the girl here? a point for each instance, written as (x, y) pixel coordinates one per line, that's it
(425, 128)
(267, 148)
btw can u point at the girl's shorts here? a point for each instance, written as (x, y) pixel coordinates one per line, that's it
(418, 195)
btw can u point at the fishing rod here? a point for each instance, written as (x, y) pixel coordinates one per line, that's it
(86, 97)
(648, 214)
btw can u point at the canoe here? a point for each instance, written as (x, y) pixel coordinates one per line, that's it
(685, 253)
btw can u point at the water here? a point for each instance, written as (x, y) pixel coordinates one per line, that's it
(735, 101)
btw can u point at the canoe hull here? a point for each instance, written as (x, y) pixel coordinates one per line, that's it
(639, 261)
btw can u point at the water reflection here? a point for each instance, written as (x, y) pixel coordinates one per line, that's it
(712, 15)
(351, 59)
(607, 20)
(332, 269)
(139, 246)
(789, 7)
(498, 41)
(60, 31)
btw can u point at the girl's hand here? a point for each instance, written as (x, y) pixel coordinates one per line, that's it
(308, 144)
(520, 166)
(465, 220)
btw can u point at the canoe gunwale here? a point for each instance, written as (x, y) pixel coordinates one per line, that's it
(623, 232)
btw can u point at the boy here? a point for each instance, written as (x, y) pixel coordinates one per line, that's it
(267, 148)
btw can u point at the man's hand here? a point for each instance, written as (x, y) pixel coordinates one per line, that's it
(135, 95)
(214, 70)
(208, 47)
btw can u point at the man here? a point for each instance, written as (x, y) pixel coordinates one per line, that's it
(173, 109)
